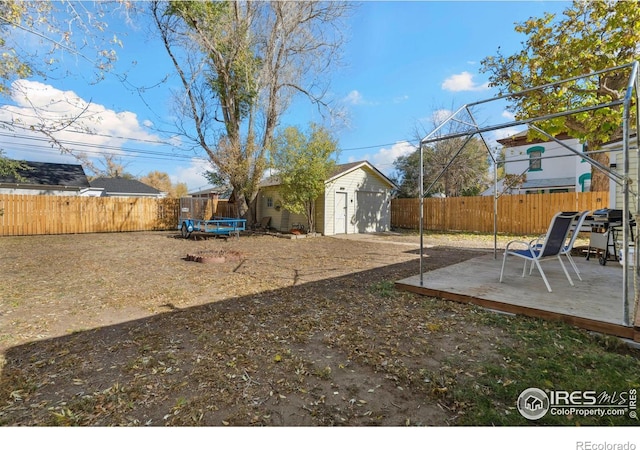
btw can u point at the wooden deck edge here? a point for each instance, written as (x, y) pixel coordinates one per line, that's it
(626, 332)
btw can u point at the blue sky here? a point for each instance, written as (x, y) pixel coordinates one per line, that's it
(403, 63)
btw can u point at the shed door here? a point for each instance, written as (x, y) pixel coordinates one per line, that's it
(341, 213)
(372, 212)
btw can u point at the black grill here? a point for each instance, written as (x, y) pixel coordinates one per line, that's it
(607, 215)
(606, 230)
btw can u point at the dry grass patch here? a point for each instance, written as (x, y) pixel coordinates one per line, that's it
(120, 329)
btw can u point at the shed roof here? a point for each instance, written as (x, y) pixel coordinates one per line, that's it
(342, 169)
(338, 171)
(49, 174)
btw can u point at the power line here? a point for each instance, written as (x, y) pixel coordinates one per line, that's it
(409, 141)
(47, 150)
(123, 79)
(81, 146)
(157, 142)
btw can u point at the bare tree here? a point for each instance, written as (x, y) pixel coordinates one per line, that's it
(72, 29)
(452, 166)
(241, 63)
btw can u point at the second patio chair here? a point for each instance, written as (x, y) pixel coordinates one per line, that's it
(568, 248)
(551, 248)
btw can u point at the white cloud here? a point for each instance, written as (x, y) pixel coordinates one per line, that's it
(401, 99)
(70, 118)
(441, 115)
(384, 158)
(463, 82)
(38, 103)
(506, 132)
(354, 98)
(192, 175)
(84, 127)
(508, 115)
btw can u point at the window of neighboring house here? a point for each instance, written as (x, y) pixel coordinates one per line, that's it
(269, 202)
(535, 158)
(585, 182)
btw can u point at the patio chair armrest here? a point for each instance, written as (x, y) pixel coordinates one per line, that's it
(537, 242)
(516, 241)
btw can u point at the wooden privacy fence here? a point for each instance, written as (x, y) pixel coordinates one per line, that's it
(50, 214)
(517, 214)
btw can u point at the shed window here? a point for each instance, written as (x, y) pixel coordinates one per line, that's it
(269, 202)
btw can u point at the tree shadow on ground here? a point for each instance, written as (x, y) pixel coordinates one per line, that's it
(348, 350)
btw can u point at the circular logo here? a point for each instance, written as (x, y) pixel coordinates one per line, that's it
(533, 403)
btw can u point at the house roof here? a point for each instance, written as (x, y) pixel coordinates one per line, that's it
(49, 174)
(224, 192)
(544, 183)
(522, 138)
(549, 183)
(121, 185)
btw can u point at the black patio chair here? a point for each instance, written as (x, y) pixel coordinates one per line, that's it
(568, 248)
(551, 248)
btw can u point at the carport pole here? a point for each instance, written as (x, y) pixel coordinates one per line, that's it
(421, 213)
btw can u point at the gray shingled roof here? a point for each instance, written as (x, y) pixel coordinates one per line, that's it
(123, 186)
(50, 174)
(341, 168)
(224, 192)
(549, 183)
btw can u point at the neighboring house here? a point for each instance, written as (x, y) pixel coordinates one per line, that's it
(223, 193)
(220, 196)
(42, 178)
(548, 166)
(125, 187)
(357, 199)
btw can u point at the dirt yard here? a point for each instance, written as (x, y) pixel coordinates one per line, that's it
(126, 329)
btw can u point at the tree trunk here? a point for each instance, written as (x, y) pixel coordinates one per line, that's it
(252, 211)
(311, 210)
(599, 179)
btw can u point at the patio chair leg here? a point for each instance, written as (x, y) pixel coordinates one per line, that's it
(565, 271)
(543, 275)
(573, 264)
(504, 259)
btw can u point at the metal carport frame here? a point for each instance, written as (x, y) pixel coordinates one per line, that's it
(624, 181)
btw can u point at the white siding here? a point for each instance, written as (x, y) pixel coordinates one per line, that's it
(557, 161)
(79, 192)
(618, 199)
(281, 220)
(360, 218)
(368, 204)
